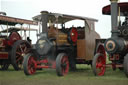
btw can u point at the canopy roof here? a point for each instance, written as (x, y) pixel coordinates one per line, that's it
(11, 29)
(6, 20)
(62, 18)
(123, 9)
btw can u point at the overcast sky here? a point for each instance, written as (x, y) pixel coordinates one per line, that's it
(89, 8)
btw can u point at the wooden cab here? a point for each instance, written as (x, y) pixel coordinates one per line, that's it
(86, 44)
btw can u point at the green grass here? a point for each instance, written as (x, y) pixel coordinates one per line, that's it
(83, 76)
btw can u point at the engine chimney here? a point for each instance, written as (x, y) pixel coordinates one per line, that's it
(114, 16)
(44, 18)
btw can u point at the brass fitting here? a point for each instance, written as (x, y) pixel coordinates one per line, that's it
(114, 0)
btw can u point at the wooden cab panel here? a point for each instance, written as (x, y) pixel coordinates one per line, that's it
(81, 49)
(90, 44)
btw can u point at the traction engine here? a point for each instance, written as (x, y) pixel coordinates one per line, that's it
(61, 47)
(12, 46)
(50, 49)
(116, 47)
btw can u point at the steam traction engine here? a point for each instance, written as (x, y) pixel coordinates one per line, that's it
(117, 45)
(12, 46)
(61, 47)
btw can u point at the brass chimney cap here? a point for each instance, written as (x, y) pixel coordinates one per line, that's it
(44, 12)
(114, 0)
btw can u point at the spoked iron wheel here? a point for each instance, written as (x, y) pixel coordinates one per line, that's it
(98, 64)
(19, 49)
(62, 64)
(29, 64)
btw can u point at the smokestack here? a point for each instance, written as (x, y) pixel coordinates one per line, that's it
(114, 17)
(44, 18)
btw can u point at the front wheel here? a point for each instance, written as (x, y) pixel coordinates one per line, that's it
(126, 65)
(98, 64)
(62, 64)
(29, 64)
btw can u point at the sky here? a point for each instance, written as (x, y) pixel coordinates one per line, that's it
(89, 8)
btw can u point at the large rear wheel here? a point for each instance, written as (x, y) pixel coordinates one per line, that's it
(19, 49)
(29, 64)
(62, 64)
(98, 64)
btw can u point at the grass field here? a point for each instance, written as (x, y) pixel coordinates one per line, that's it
(83, 76)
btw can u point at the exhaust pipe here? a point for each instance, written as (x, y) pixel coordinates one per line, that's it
(44, 19)
(114, 18)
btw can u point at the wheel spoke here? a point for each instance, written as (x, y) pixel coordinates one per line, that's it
(18, 53)
(63, 60)
(64, 65)
(25, 49)
(19, 59)
(21, 48)
(102, 69)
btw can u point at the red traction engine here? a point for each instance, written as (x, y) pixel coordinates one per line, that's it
(12, 47)
(117, 45)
